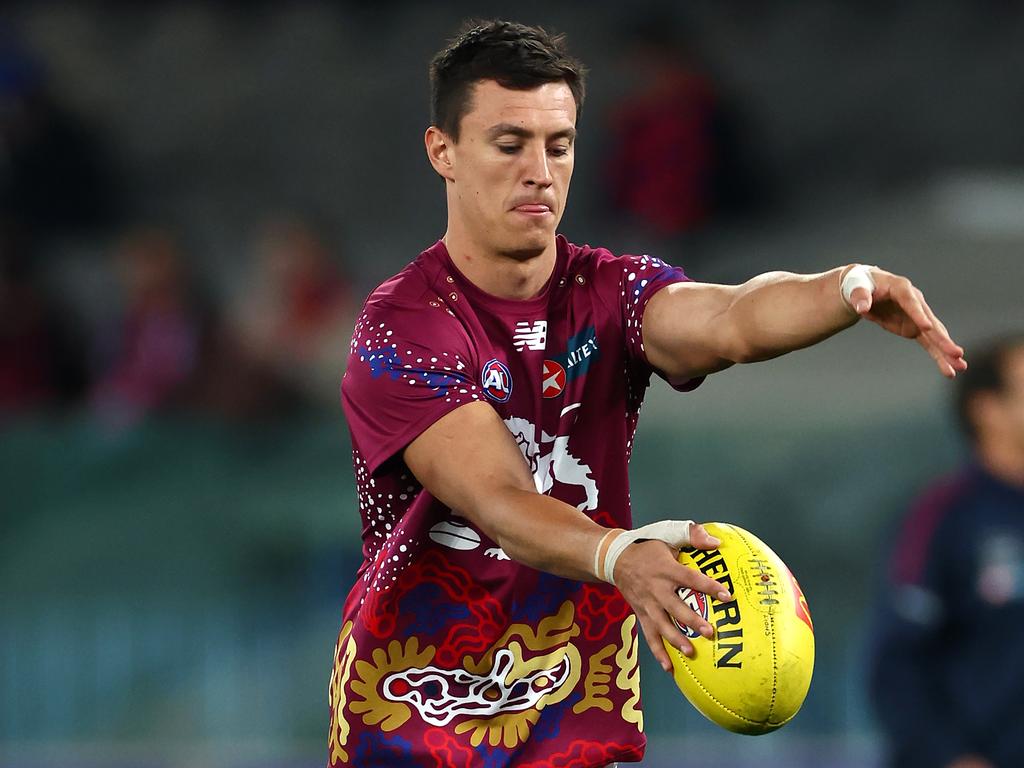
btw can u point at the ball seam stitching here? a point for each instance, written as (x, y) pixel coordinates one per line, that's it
(775, 659)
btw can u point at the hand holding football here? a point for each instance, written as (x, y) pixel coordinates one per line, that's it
(752, 676)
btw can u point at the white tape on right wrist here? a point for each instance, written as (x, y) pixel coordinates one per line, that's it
(675, 533)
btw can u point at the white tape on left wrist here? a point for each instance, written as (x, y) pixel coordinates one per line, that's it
(675, 533)
(857, 276)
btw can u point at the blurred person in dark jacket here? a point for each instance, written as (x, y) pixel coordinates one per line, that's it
(947, 674)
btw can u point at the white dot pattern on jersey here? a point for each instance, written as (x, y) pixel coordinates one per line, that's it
(444, 373)
(389, 549)
(637, 271)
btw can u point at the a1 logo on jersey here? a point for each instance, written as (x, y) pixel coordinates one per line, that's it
(552, 379)
(496, 380)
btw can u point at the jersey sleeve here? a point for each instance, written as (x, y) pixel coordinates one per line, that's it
(638, 279)
(406, 369)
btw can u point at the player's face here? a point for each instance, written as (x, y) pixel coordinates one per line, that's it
(512, 165)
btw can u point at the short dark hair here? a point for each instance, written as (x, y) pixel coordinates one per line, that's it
(986, 373)
(514, 55)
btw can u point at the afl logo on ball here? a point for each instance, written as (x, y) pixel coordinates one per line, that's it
(698, 602)
(496, 380)
(553, 379)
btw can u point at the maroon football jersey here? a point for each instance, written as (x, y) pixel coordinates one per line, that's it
(450, 653)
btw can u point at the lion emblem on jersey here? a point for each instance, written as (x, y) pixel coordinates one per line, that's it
(551, 461)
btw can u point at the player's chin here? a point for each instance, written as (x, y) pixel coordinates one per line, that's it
(523, 251)
(534, 222)
(526, 245)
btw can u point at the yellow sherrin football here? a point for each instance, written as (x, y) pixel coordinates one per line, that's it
(753, 675)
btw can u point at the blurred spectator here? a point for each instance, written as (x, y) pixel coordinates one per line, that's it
(153, 352)
(947, 677)
(297, 316)
(675, 161)
(41, 359)
(54, 177)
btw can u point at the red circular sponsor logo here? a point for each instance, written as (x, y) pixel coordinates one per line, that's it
(553, 379)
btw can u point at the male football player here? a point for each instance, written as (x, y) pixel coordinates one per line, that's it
(492, 394)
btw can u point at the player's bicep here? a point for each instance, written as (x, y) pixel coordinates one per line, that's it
(686, 332)
(468, 460)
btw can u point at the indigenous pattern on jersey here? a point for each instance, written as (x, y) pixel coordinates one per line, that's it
(451, 653)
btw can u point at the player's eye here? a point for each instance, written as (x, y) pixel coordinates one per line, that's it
(558, 151)
(508, 149)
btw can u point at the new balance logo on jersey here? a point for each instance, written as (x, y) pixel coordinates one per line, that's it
(533, 337)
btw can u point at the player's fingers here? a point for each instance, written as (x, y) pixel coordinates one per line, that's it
(948, 355)
(860, 300)
(684, 616)
(944, 365)
(674, 633)
(653, 639)
(950, 366)
(689, 577)
(941, 338)
(701, 539)
(911, 301)
(960, 364)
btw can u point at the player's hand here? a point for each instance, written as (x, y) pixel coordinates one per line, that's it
(970, 761)
(648, 575)
(899, 307)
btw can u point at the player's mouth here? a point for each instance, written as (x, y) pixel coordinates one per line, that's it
(538, 210)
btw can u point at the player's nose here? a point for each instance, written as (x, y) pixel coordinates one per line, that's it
(538, 168)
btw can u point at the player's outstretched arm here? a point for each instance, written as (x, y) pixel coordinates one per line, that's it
(690, 329)
(469, 461)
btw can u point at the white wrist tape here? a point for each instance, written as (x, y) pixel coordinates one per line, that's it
(857, 276)
(675, 533)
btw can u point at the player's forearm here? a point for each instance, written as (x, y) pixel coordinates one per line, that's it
(779, 312)
(543, 533)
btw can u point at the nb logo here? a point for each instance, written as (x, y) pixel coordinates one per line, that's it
(533, 337)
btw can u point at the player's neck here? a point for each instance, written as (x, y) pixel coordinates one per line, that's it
(502, 275)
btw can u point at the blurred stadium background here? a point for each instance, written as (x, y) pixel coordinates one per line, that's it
(196, 197)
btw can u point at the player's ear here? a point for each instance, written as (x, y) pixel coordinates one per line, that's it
(439, 151)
